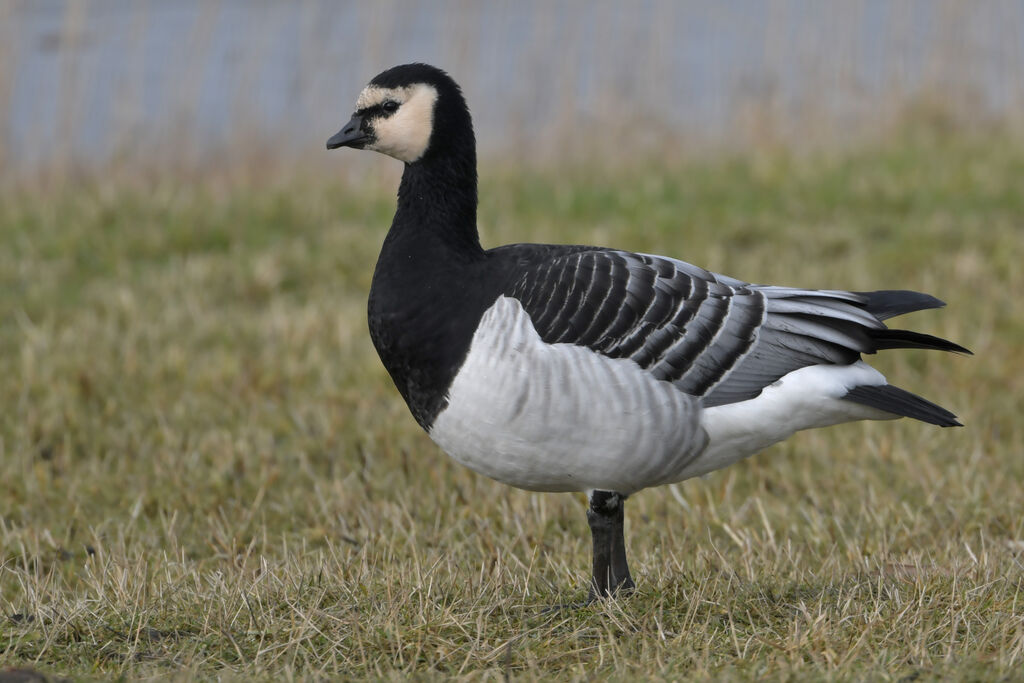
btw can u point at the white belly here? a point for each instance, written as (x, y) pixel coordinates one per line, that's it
(559, 417)
(807, 398)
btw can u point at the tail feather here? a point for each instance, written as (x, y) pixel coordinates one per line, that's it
(901, 402)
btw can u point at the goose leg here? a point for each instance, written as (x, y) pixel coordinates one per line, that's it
(611, 573)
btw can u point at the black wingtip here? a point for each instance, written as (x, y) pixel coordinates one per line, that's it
(901, 402)
(906, 339)
(889, 303)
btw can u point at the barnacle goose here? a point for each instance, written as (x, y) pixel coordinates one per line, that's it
(576, 368)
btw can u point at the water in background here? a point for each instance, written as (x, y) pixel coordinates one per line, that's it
(89, 81)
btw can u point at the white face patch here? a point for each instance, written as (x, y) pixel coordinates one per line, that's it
(404, 134)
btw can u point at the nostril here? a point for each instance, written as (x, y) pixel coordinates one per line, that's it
(350, 129)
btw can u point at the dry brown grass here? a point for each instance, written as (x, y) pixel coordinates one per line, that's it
(204, 472)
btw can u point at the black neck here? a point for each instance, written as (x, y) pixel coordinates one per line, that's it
(437, 204)
(427, 294)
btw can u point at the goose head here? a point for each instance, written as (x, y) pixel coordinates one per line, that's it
(409, 112)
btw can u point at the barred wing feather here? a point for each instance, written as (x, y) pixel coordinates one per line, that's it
(710, 335)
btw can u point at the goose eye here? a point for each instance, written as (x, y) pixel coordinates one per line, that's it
(390, 107)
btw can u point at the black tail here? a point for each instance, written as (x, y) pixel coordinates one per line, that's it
(889, 303)
(900, 402)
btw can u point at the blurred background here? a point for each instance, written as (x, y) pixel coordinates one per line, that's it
(189, 83)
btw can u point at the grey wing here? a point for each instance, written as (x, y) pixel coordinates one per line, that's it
(710, 335)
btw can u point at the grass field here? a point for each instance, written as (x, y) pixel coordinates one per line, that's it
(205, 472)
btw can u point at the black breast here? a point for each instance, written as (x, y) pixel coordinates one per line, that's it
(422, 317)
(424, 309)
